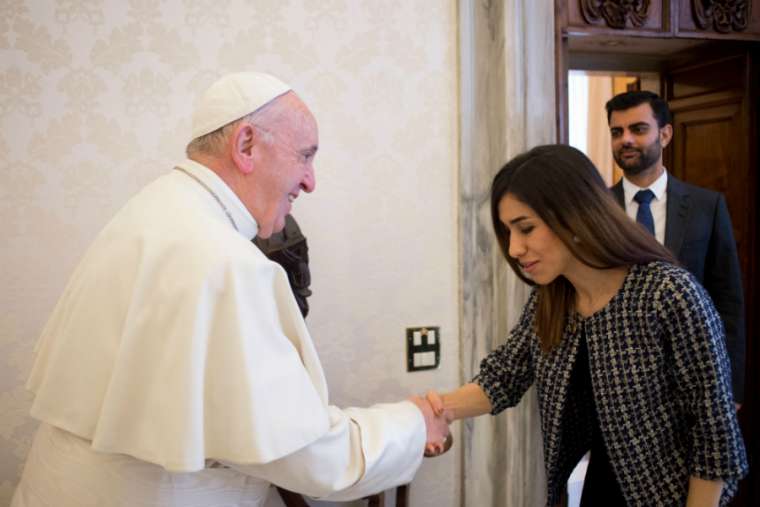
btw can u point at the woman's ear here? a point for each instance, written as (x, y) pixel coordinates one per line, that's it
(243, 141)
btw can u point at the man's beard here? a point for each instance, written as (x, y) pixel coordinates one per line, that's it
(647, 157)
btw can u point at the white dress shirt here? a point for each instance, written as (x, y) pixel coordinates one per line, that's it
(658, 204)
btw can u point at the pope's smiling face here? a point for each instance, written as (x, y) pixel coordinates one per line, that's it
(284, 164)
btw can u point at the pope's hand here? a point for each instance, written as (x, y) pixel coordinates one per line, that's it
(437, 426)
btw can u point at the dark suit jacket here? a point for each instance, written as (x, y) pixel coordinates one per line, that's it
(698, 231)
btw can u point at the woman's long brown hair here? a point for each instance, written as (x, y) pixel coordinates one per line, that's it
(566, 191)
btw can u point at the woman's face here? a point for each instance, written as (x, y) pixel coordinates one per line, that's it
(540, 252)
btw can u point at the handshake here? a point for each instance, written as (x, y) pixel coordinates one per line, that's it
(437, 420)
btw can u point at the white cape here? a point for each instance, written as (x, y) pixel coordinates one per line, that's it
(177, 341)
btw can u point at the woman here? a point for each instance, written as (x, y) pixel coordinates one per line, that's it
(625, 348)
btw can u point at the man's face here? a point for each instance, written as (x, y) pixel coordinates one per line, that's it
(285, 167)
(636, 139)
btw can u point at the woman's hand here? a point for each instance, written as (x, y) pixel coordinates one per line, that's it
(436, 402)
(467, 401)
(437, 428)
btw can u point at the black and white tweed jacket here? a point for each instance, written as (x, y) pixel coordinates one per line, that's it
(661, 384)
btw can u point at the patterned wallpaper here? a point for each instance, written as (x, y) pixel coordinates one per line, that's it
(95, 100)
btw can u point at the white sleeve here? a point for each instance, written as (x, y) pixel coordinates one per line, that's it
(366, 450)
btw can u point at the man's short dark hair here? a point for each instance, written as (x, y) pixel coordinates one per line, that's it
(627, 100)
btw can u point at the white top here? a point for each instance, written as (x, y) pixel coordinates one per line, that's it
(658, 204)
(178, 343)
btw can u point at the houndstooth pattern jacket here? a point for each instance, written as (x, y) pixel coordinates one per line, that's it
(661, 384)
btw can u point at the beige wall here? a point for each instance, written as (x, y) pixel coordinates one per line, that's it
(95, 101)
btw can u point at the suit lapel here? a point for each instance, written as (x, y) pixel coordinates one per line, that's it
(617, 192)
(677, 211)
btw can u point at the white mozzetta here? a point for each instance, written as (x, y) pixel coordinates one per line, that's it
(177, 343)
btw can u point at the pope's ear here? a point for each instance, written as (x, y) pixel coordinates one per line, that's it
(243, 141)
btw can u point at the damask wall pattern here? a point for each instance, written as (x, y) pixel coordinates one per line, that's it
(95, 100)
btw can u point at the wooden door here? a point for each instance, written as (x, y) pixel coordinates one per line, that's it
(714, 105)
(711, 134)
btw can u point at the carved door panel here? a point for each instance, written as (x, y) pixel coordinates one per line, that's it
(644, 17)
(714, 104)
(736, 19)
(711, 19)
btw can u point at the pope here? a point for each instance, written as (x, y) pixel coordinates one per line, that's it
(176, 368)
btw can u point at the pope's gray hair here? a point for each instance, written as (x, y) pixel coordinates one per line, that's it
(213, 142)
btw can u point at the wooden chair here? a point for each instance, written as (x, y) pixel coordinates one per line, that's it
(291, 499)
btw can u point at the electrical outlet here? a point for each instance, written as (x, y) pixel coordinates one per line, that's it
(423, 348)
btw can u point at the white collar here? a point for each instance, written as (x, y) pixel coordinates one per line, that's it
(244, 222)
(658, 187)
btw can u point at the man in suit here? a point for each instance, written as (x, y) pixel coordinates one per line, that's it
(692, 222)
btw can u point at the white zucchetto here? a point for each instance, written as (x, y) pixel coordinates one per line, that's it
(232, 97)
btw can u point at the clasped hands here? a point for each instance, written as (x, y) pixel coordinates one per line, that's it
(437, 420)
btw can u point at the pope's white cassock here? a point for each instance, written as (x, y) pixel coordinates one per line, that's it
(176, 370)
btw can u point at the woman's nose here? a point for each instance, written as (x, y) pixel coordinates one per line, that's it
(516, 247)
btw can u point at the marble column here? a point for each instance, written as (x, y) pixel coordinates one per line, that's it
(506, 106)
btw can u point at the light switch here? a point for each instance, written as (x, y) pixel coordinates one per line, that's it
(423, 348)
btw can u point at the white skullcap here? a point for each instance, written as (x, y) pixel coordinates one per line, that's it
(232, 97)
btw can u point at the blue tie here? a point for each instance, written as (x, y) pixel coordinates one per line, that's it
(644, 214)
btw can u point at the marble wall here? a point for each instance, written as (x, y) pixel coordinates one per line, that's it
(506, 106)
